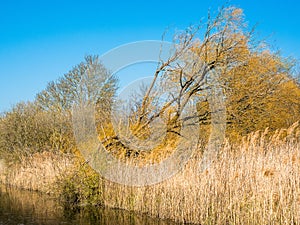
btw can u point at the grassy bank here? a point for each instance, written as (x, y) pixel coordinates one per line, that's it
(38, 172)
(254, 182)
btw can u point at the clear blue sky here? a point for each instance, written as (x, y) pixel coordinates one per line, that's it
(42, 40)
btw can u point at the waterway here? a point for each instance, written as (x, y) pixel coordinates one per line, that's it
(20, 207)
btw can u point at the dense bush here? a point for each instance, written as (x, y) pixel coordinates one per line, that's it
(27, 129)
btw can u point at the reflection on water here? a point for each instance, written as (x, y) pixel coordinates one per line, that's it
(23, 207)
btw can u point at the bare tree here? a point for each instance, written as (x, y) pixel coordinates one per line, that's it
(89, 80)
(190, 74)
(192, 68)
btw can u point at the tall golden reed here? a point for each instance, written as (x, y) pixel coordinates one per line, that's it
(254, 182)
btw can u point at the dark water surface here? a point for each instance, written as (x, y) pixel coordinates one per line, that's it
(23, 207)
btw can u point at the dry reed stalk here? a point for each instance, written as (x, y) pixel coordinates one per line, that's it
(38, 172)
(256, 182)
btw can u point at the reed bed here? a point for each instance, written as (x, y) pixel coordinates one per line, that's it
(254, 182)
(38, 172)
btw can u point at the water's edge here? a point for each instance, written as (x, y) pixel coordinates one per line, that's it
(28, 207)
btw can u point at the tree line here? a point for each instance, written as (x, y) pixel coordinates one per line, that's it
(258, 84)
